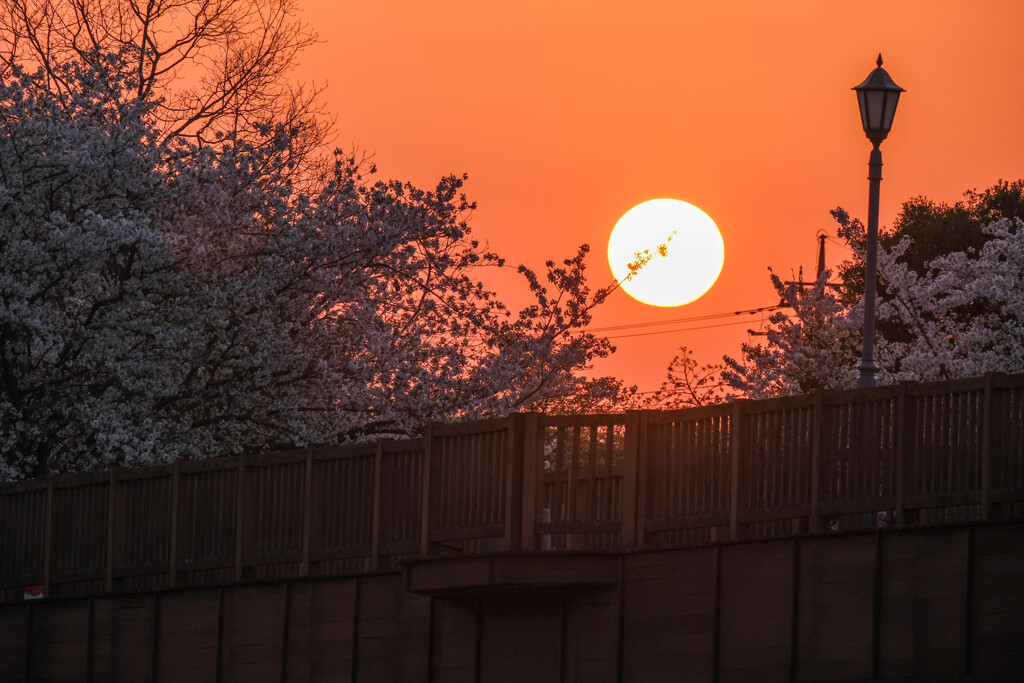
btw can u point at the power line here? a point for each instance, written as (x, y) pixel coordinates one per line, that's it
(682, 329)
(675, 321)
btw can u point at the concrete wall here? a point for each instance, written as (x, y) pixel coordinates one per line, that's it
(924, 604)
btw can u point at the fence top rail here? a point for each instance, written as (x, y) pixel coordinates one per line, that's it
(1003, 381)
(24, 486)
(365, 449)
(495, 424)
(209, 464)
(287, 457)
(351, 450)
(690, 414)
(81, 479)
(773, 405)
(594, 420)
(138, 473)
(742, 406)
(391, 446)
(946, 387)
(924, 389)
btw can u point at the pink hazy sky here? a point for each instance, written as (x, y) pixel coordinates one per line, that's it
(567, 114)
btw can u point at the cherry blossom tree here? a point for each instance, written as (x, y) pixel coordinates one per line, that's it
(964, 313)
(955, 314)
(162, 298)
(813, 343)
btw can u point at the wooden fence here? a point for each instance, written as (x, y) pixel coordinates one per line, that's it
(823, 462)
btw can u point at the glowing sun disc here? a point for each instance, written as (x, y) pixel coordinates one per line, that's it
(682, 247)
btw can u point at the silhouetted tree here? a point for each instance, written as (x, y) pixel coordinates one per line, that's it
(597, 395)
(934, 229)
(689, 384)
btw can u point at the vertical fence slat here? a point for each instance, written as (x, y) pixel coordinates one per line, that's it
(559, 503)
(428, 448)
(240, 517)
(48, 537)
(987, 406)
(594, 476)
(532, 468)
(645, 455)
(172, 578)
(480, 485)
(518, 448)
(635, 421)
(456, 457)
(817, 417)
(307, 512)
(734, 469)
(378, 460)
(904, 409)
(111, 506)
(512, 474)
(576, 472)
(570, 483)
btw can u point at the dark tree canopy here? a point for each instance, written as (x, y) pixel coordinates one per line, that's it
(938, 228)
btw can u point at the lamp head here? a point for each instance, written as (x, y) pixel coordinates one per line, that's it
(878, 96)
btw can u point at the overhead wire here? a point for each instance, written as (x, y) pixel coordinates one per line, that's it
(691, 319)
(682, 329)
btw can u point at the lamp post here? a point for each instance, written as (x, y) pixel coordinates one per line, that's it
(877, 97)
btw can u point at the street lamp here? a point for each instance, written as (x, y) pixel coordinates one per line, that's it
(877, 97)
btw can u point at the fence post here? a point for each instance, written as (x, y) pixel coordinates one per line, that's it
(428, 445)
(571, 503)
(239, 516)
(819, 417)
(108, 583)
(734, 469)
(635, 421)
(307, 512)
(48, 541)
(903, 409)
(514, 485)
(987, 405)
(378, 457)
(643, 462)
(532, 452)
(172, 579)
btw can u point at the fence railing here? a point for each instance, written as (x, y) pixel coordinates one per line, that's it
(892, 456)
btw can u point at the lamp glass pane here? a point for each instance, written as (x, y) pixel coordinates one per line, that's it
(890, 109)
(862, 102)
(876, 107)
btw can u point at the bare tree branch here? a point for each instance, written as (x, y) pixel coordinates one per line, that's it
(221, 68)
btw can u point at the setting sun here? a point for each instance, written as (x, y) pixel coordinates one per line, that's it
(666, 252)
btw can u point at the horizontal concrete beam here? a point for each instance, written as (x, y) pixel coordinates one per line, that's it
(454, 575)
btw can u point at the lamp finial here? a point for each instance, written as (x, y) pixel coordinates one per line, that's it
(879, 62)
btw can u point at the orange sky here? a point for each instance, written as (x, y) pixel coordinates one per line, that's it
(567, 114)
